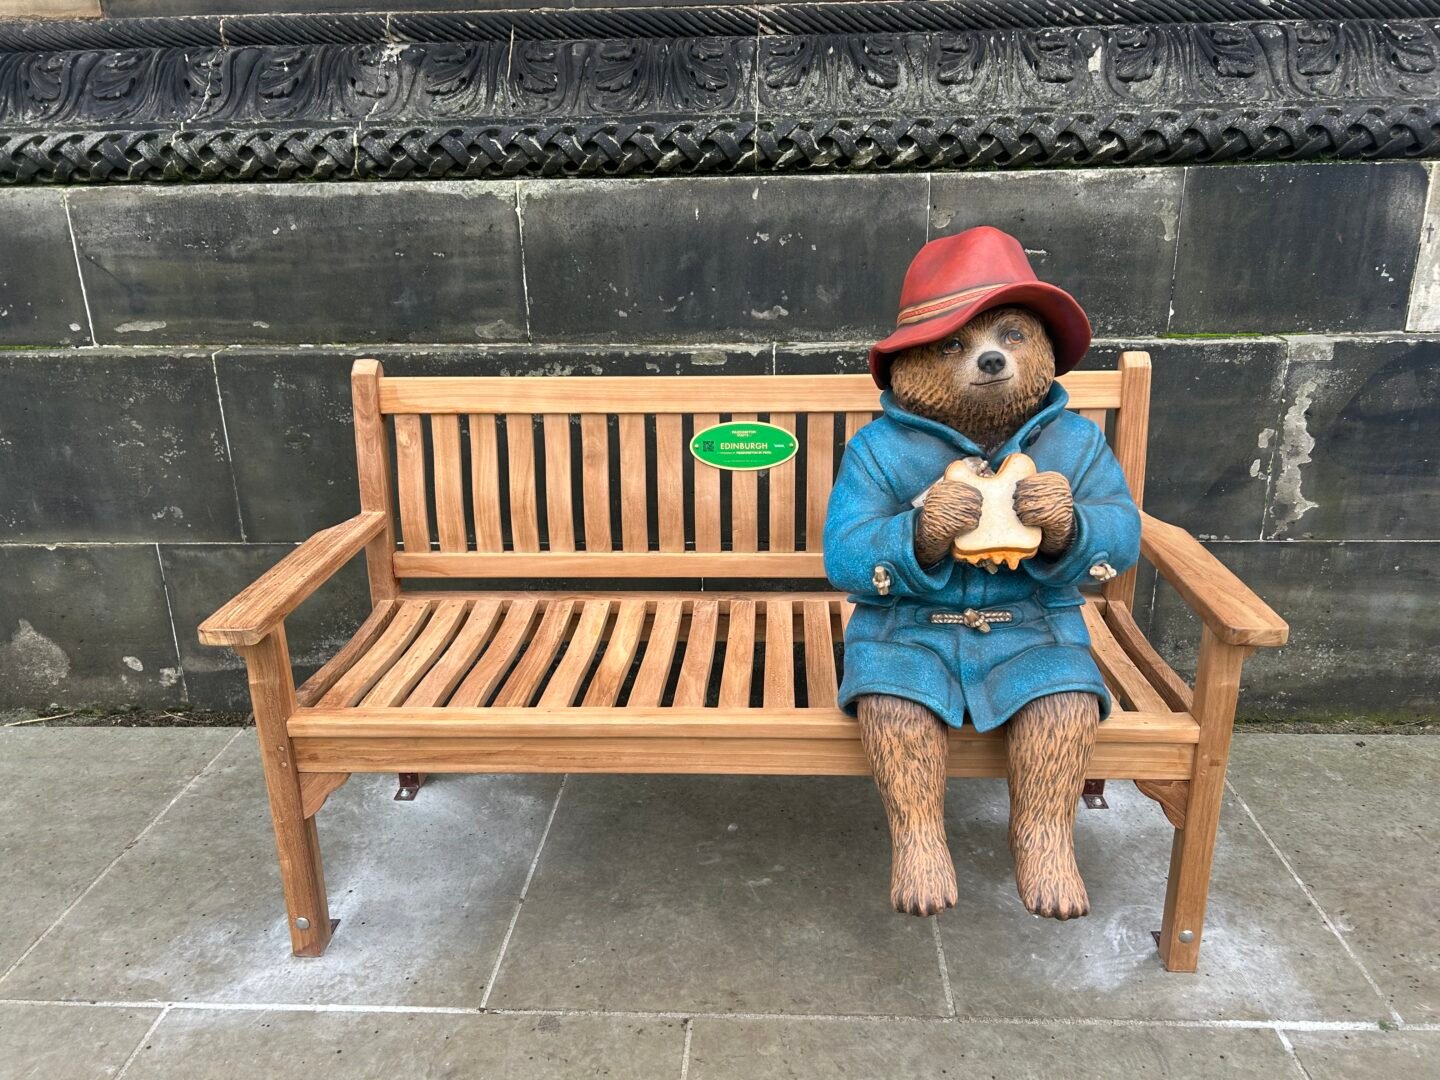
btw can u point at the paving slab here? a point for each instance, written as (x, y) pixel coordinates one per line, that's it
(1267, 953)
(59, 831)
(795, 1049)
(204, 1045)
(60, 1042)
(719, 894)
(1368, 1055)
(425, 891)
(1356, 818)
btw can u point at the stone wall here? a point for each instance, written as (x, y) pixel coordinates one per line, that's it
(174, 408)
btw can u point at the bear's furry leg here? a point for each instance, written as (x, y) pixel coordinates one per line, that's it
(906, 745)
(1047, 749)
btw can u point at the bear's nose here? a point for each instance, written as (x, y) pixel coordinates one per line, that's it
(991, 363)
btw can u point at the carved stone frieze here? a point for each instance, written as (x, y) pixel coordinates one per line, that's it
(1131, 94)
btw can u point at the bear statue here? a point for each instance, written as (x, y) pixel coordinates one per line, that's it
(969, 374)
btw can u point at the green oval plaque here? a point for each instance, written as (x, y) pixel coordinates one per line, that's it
(741, 446)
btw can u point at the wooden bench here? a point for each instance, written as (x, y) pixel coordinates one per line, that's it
(591, 479)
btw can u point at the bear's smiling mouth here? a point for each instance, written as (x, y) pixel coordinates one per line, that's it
(991, 382)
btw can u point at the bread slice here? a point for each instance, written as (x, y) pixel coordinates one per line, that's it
(1000, 537)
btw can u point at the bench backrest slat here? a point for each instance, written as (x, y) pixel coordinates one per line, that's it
(673, 393)
(593, 477)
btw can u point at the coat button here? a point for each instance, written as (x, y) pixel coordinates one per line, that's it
(880, 578)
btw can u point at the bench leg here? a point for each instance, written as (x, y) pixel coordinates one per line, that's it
(272, 692)
(1217, 686)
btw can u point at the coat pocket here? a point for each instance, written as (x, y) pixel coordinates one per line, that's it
(1067, 626)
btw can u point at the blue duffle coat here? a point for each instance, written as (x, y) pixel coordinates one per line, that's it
(1038, 643)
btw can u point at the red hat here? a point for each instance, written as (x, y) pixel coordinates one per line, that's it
(955, 278)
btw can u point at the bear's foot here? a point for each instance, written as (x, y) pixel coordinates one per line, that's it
(1047, 878)
(922, 876)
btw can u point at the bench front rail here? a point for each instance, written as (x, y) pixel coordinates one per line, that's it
(658, 668)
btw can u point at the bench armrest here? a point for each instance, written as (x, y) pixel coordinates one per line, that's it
(1224, 603)
(247, 618)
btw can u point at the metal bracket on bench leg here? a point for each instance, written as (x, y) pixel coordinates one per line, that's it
(409, 786)
(1094, 795)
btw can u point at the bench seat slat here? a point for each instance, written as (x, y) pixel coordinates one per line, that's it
(610, 673)
(418, 649)
(699, 654)
(435, 688)
(520, 687)
(1119, 670)
(395, 686)
(820, 684)
(779, 655)
(564, 685)
(315, 686)
(499, 654)
(392, 643)
(739, 655)
(1173, 689)
(659, 655)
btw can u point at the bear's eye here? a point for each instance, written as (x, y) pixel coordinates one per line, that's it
(952, 346)
(1013, 337)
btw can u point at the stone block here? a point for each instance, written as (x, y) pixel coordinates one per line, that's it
(1425, 293)
(1297, 248)
(1214, 410)
(111, 446)
(40, 298)
(1359, 442)
(720, 258)
(309, 263)
(85, 625)
(201, 577)
(1363, 627)
(1105, 236)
